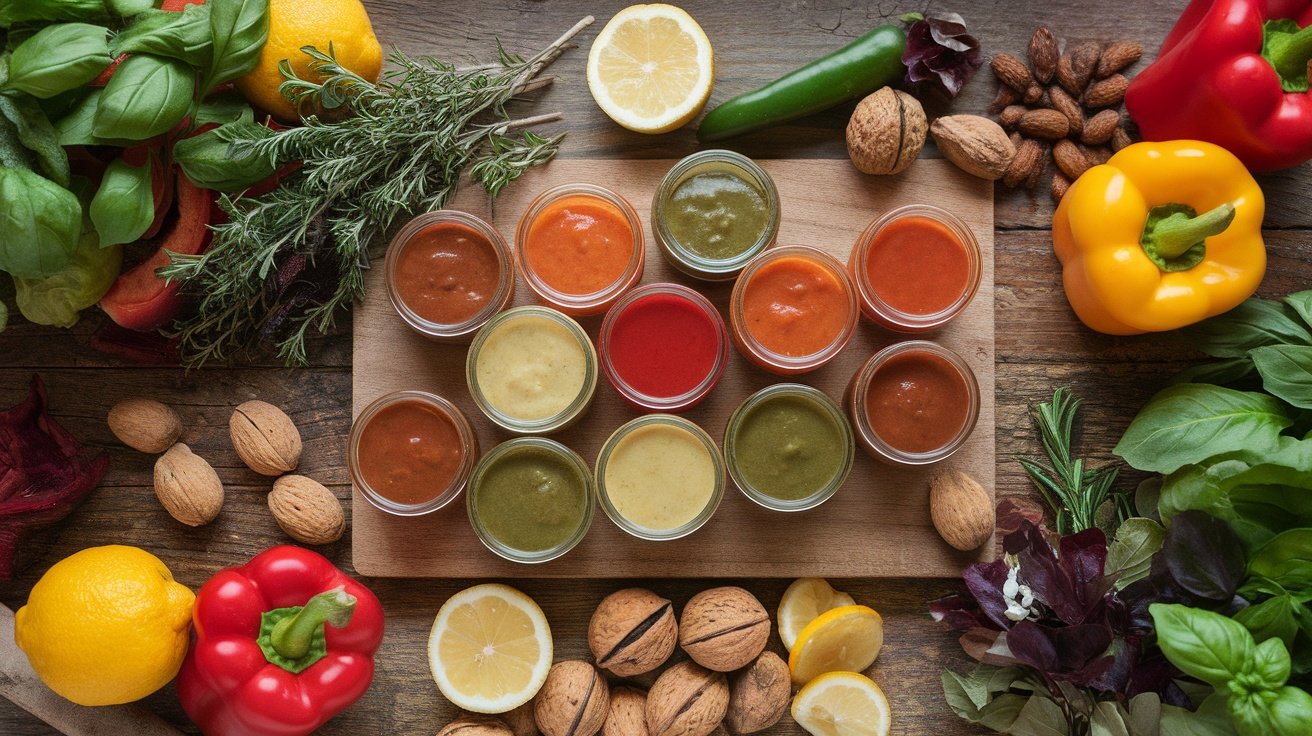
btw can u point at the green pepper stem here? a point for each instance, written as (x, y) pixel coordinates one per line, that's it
(1179, 232)
(1292, 58)
(293, 635)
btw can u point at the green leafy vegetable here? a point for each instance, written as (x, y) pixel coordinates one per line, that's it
(1131, 551)
(57, 299)
(39, 224)
(59, 58)
(224, 108)
(209, 161)
(1273, 618)
(183, 36)
(1253, 324)
(1286, 560)
(239, 29)
(146, 96)
(1286, 372)
(36, 134)
(124, 206)
(1205, 645)
(15, 11)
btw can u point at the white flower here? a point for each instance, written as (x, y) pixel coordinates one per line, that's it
(1017, 595)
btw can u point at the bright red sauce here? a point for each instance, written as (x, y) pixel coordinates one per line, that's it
(663, 345)
(917, 402)
(410, 452)
(447, 273)
(917, 265)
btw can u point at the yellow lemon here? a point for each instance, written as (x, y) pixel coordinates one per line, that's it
(842, 704)
(490, 649)
(107, 625)
(297, 23)
(803, 602)
(846, 639)
(651, 68)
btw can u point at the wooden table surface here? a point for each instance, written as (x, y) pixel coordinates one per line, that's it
(1040, 345)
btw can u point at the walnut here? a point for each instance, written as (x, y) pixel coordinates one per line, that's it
(724, 629)
(687, 700)
(476, 726)
(886, 132)
(633, 631)
(628, 713)
(759, 695)
(521, 721)
(573, 701)
(265, 438)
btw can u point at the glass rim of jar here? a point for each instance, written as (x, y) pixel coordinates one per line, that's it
(458, 331)
(580, 304)
(679, 256)
(505, 551)
(468, 444)
(881, 311)
(777, 362)
(703, 516)
(861, 419)
(647, 402)
(828, 406)
(564, 417)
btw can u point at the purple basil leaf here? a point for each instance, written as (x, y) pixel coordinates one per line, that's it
(959, 612)
(1084, 556)
(940, 52)
(1154, 674)
(1204, 555)
(1118, 666)
(1031, 644)
(985, 582)
(1050, 582)
(1078, 646)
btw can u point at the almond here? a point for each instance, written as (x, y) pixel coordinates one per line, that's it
(1043, 54)
(1107, 92)
(1063, 103)
(1048, 125)
(1012, 72)
(1069, 159)
(265, 438)
(1033, 95)
(1096, 154)
(1029, 156)
(1010, 115)
(187, 486)
(1084, 62)
(961, 510)
(977, 145)
(1117, 56)
(1120, 138)
(1098, 130)
(1036, 173)
(1006, 96)
(1059, 186)
(1066, 76)
(145, 425)
(306, 510)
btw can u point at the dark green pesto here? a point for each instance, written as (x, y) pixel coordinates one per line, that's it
(531, 499)
(789, 447)
(717, 215)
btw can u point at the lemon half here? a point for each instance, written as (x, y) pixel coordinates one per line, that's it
(803, 603)
(842, 704)
(846, 639)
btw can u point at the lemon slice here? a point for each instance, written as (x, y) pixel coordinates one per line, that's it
(842, 704)
(490, 649)
(846, 639)
(803, 602)
(651, 68)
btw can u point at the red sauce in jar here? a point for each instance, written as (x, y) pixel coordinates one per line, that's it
(917, 402)
(917, 265)
(410, 452)
(447, 273)
(579, 245)
(664, 345)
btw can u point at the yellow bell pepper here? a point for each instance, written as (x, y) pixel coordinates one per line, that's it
(1136, 254)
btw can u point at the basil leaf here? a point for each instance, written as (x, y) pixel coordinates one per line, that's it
(13, 154)
(1145, 714)
(183, 36)
(1191, 422)
(146, 97)
(225, 108)
(124, 206)
(1204, 556)
(1218, 372)
(1301, 303)
(59, 298)
(1001, 712)
(1130, 553)
(16, 11)
(210, 161)
(1251, 713)
(1040, 717)
(59, 58)
(39, 224)
(1290, 711)
(77, 128)
(239, 28)
(1273, 618)
(1108, 719)
(1271, 663)
(37, 135)
(1286, 560)
(130, 8)
(1211, 719)
(1202, 644)
(4, 315)
(1253, 324)
(1286, 372)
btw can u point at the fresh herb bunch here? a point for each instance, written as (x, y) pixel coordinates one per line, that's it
(288, 262)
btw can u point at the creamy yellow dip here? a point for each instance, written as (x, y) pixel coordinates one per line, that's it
(660, 477)
(531, 368)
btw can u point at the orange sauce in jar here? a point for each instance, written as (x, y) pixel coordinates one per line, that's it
(917, 265)
(795, 306)
(410, 452)
(579, 244)
(447, 273)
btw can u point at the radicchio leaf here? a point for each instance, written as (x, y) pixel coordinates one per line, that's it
(941, 53)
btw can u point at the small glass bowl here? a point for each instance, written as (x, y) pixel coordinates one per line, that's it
(807, 393)
(460, 332)
(679, 423)
(679, 256)
(883, 314)
(682, 401)
(468, 447)
(859, 388)
(764, 357)
(578, 305)
(566, 455)
(545, 425)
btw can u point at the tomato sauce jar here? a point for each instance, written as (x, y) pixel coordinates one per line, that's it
(793, 309)
(447, 273)
(915, 268)
(913, 403)
(579, 248)
(663, 347)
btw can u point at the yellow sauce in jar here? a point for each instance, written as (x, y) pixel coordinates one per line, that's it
(531, 368)
(660, 477)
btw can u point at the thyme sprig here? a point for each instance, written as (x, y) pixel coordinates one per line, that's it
(285, 264)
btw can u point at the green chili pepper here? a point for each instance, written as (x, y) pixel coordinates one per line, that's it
(863, 66)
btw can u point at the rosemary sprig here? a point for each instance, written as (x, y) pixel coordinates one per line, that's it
(1074, 492)
(286, 263)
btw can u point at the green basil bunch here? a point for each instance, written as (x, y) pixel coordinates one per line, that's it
(59, 58)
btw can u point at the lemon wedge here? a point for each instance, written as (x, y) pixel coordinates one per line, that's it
(846, 639)
(842, 704)
(651, 68)
(490, 649)
(803, 603)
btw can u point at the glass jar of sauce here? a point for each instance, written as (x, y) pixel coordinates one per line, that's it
(789, 447)
(410, 452)
(660, 477)
(793, 309)
(713, 212)
(530, 499)
(532, 370)
(915, 268)
(580, 247)
(663, 347)
(447, 273)
(913, 403)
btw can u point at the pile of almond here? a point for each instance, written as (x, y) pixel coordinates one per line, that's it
(1062, 106)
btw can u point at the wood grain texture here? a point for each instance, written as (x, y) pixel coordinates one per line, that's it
(875, 526)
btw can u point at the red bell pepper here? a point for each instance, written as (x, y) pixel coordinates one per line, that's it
(283, 643)
(1234, 73)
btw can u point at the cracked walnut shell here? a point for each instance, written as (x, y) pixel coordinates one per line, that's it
(687, 700)
(724, 629)
(886, 132)
(632, 632)
(573, 701)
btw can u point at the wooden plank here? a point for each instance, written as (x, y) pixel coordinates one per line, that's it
(877, 525)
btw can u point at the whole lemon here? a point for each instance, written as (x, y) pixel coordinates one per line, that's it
(297, 23)
(107, 625)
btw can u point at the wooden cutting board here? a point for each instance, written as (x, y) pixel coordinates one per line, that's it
(877, 525)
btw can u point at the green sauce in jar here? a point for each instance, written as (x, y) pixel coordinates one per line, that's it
(717, 214)
(530, 496)
(789, 447)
